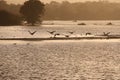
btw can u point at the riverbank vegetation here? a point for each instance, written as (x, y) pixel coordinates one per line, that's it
(96, 10)
(74, 11)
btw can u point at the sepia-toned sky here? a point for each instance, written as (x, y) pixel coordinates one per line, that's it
(46, 1)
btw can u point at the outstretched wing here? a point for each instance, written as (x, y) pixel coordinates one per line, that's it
(51, 32)
(32, 33)
(106, 34)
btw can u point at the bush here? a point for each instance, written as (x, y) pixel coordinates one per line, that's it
(81, 24)
(9, 19)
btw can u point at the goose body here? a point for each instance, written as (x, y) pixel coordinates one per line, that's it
(71, 32)
(56, 34)
(51, 32)
(106, 34)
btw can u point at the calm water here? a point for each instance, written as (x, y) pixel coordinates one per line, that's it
(61, 59)
(62, 27)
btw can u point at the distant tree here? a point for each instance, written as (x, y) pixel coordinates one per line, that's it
(32, 10)
(82, 11)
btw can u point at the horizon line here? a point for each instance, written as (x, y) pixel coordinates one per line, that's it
(66, 0)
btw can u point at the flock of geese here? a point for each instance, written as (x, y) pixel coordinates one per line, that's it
(54, 34)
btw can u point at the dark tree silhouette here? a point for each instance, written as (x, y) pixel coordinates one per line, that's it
(90, 10)
(32, 11)
(9, 19)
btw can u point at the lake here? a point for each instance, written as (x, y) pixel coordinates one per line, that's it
(60, 59)
(62, 27)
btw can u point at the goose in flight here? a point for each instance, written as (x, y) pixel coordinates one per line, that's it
(67, 36)
(71, 32)
(56, 35)
(32, 33)
(106, 34)
(88, 33)
(51, 32)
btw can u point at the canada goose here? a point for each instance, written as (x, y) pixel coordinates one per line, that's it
(71, 32)
(32, 33)
(106, 34)
(56, 34)
(88, 33)
(67, 36)
(51, 32)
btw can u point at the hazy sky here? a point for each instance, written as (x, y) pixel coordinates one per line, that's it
(21, 1)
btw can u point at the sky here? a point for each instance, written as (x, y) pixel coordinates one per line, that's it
(47, 1)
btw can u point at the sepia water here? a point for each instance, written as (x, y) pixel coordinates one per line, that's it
(60, 59)
(62, 27)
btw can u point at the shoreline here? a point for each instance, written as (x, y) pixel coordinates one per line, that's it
(64, 38)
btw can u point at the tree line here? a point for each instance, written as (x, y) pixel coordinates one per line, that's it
(73, 11)
(31, 12)
(9, 14)
(82, 11)
(12, 8)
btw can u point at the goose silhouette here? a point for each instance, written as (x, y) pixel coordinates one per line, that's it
(67, 36)
(32, 33)
(56, 35)
(88, 33)
(106, 34)
(51, 32)
(71, 32)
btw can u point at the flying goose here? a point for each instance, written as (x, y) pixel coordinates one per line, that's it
(56, 35)
(71, 32)
(32, 33)
(88, 33)
(106, 34)
(51, 32)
